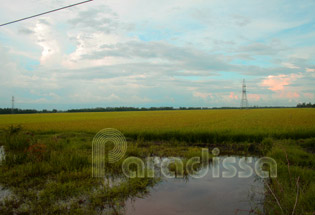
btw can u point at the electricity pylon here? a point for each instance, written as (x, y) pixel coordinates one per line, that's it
(244, 102)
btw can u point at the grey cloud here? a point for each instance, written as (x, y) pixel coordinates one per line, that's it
(25, 31)
(265, 71)
(176, 61)
(44, 21)
(203, 15)
(185, 58)
(240, 20)
(208, 17)
(100, 19)
(259, 49)
(301, 62)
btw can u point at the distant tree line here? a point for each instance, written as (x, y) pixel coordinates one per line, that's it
(20, 111)
(305, 105)
(112, 109)
(98, 109)
(115, 109)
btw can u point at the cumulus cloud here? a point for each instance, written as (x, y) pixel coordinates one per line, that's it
(277, 83)
(50, 47)
(254, 97)
(233, 96)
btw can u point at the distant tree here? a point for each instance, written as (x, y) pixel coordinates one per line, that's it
(304, 105)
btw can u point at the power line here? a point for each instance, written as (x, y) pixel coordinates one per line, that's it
(40, 14)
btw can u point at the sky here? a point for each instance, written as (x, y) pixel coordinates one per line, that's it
(145, 53)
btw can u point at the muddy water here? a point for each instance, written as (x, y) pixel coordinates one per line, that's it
(206, 195)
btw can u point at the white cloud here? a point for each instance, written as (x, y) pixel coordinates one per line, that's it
(51, 54)
(290, 65)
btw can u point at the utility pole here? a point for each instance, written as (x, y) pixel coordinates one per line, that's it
(12, 108)
(244, 102)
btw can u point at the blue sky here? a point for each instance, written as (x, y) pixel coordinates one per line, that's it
(157, 53)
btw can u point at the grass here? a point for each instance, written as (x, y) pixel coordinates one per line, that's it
(293, 191)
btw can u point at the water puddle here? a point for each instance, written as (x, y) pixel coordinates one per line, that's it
(2, 154)
(207, 195)
(4, 193)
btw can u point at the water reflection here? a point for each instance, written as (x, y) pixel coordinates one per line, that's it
(4, 193)
(206, 195)
(2, 154)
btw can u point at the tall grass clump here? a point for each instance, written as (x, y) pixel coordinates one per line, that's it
(16, 139)
(292, 192)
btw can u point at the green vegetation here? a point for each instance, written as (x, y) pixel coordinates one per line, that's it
(51, 174)
(293, 191)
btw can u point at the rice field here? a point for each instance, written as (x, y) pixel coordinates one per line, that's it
(200, 125)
